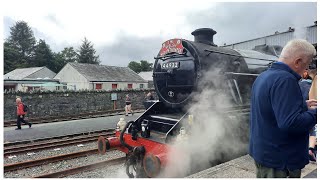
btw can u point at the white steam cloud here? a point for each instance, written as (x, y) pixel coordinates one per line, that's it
(213, 138)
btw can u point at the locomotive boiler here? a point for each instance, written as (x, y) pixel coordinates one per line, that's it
(182, 70)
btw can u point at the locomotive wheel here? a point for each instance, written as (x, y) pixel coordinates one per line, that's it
(102, 146)
(131, 171)
(134, 167)
(151, 165)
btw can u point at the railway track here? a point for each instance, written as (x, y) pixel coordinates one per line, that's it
(47, 145)
(14, 149)
(37, 162)
(42, 120)
(63, 173)
(7, 144)
(84, 168)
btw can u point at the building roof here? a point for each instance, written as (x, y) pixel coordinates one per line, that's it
(103, 73)
(146, 75)
(23, 73)
(278, 38)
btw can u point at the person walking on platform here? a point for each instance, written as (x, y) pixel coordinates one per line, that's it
(21, 112)
(128, 105)
(280, 119)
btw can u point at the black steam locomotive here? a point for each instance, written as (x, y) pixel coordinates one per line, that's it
(183, 69)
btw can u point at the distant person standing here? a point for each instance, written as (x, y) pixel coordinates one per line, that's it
(149, 100)
(21, 112)
(280, 118)
(149, 96)
(128, 105)
(305, 84)
(313, 88)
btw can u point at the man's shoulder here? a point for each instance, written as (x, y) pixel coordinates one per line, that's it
(278, 74)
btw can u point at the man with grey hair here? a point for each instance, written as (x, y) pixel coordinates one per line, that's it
(21, 112)
(280, 118)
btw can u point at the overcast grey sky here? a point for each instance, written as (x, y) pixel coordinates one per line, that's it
(122, 31)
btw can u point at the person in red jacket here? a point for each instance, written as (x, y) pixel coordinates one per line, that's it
(20, 114)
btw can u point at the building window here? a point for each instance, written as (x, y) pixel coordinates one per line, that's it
(29, 88)
(98, 86)
(9, 87)
(114, 86)
(129, 86)
(141, 86)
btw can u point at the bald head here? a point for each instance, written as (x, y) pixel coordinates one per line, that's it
(298, 54)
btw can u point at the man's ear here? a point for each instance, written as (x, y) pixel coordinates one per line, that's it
(296, 62)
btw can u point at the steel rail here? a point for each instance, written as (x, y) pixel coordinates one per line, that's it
(37, 162)
(82, 168)
(56, 137)
(48, 145)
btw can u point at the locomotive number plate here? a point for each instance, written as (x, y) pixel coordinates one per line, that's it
(170, 65)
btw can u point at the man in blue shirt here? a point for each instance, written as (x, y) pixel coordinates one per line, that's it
(280, 118)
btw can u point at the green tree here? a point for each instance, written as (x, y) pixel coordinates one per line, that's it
(44, 56)
(10, 56)
(145, 66)
(19, 47)
(135, 66)
(22, 38)
(69, 55)
(59, 61)
(87, 53)
(139, 67)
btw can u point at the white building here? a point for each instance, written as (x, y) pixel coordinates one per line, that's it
(28, 79)
(81, 76)
(147, 75)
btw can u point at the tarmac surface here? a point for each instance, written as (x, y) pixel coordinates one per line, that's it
(63, 128)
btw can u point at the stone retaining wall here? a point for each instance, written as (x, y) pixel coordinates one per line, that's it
(44, 104)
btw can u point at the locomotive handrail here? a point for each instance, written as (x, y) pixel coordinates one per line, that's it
(165, 118)
(237, 87)
(167, 134)
(212, 51)
(244, 74)
(259, 64)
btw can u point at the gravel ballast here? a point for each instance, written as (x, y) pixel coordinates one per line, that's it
(48, 153)
(60, 165)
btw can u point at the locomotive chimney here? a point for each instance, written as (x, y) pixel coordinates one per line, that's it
(204, 35)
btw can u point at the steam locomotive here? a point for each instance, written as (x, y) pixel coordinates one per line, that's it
(183, 70)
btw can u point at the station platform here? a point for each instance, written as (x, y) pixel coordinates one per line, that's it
(243, 167)
(63, 128)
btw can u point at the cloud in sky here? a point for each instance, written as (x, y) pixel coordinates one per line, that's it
(237, 22)
(124, 30)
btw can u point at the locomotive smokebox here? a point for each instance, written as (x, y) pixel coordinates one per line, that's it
(204, 35)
